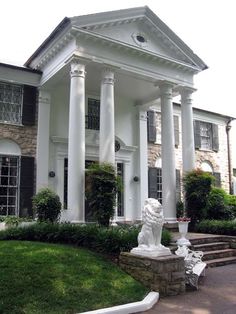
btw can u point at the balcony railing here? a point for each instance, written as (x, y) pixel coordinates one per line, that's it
(92, 122)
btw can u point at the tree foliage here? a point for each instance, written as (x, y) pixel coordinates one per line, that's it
(101, 188)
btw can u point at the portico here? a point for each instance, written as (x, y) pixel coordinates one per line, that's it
(91, 72)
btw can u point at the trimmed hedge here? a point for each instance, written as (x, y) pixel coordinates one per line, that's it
(104, 240)
(224, 227)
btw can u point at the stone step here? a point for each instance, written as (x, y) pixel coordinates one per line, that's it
(221, 261)
(211, 255)
(211, 246)
(206, 240)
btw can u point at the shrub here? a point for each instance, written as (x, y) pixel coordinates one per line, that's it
(180, 209)
(111, 240)
(224, 227)
(101, 188)
(197, 186)
(231, 201)
(217, 205)
(47, 205)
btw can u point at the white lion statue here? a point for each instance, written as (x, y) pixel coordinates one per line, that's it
(149, 238)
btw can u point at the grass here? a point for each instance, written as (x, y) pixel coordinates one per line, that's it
(41, 278)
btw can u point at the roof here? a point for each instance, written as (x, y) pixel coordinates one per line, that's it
(116, 16)
(16, 67)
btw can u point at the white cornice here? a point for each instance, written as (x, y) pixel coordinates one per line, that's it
(52, 50)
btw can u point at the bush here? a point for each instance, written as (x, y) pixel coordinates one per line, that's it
(47, 205)
(221, 227)
(231, 201)
(101, 188)
(217, 205)
(111, 240)
(197, 186)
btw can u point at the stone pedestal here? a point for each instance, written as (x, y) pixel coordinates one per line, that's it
(154, 251)
(165, 275)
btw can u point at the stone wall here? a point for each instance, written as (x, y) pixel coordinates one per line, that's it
(164, 274)
(24, 136)
(218, 160)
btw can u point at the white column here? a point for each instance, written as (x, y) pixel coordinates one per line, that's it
(188, 150)
(168, 154)
(107, 119)
(76, 142)
(143, 160)
(43, 140)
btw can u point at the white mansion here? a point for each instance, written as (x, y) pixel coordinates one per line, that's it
(83, 96)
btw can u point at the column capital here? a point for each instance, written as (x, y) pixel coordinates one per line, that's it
(185, 90)
(77, 69)
(166, 89)
(44, 97)
(108, 76)
(142, 115)
(186, 95)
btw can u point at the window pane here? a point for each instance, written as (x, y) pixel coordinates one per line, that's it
(9, 171)
(206, 135)
(11, 98)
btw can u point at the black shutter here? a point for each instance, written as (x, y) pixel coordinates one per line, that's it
(176, 128)
(217, 177)
(197, 136)
(151, 126)
(215, 138)
(178, 185)
(26, 185)
(29, 105)
(152, 182)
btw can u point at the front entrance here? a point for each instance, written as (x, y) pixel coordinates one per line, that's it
(120, 195)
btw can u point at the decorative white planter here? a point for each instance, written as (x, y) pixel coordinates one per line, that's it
(183, 230)
(2, 226)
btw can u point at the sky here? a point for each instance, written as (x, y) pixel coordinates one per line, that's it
(207, 26)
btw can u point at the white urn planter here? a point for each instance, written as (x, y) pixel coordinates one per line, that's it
(183, 230)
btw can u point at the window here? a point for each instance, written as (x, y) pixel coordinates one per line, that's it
(206, 135)
(9, 185)
(155, 184)
(207, 167)
(11, 99)
(120, 194)
(92, 119)
(154, 127)
(17, 104)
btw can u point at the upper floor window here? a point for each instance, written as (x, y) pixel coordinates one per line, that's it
(17, 104)
(206, 135)
(154, 127)
(92, 119)
(11, 100)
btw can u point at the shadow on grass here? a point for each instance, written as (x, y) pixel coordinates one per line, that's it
(48, 278)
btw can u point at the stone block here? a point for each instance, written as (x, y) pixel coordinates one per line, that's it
(159, 274)
(178, 276)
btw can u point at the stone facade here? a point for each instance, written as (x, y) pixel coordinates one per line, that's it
(217, 160)
(164, 274)
(24, 136)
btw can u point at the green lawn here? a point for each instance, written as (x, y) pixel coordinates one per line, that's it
(48, 278)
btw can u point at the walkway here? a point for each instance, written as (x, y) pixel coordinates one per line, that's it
(216, 295)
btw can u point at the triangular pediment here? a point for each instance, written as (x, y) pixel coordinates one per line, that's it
(139, 28)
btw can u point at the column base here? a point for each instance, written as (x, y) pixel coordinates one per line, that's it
(77, 222)
(170, 220)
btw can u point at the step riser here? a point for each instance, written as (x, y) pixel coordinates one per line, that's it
(207, 240)
(211, 247)
(222, 263)
(218, 255)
